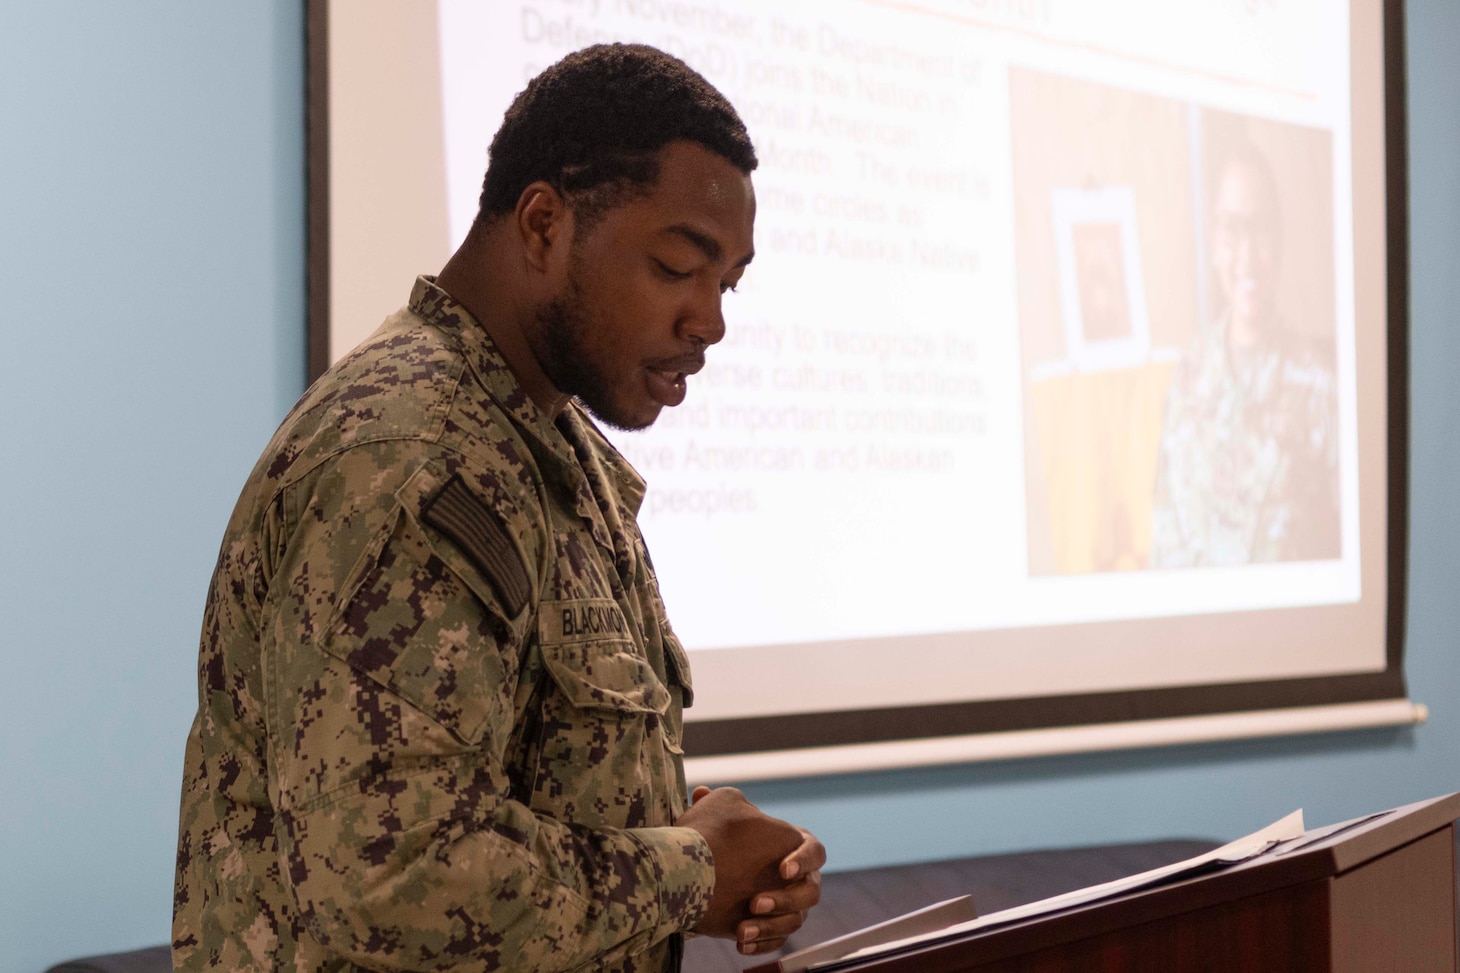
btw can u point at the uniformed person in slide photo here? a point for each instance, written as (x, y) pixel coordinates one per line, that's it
(1248, 468)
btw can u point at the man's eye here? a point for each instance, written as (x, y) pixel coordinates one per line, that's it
(673, 274)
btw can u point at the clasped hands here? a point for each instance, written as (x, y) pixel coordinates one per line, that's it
(767, 872)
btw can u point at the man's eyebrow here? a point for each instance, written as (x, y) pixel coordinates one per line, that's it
(707, 245)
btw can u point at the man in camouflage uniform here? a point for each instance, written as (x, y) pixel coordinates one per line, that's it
(1248, 469)
(440, 701)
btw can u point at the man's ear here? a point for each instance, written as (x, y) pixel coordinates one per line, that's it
(544, 225)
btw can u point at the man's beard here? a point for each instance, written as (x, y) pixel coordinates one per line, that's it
(563, 327)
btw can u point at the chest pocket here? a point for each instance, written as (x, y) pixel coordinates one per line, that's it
(426, 614)
(601, 756)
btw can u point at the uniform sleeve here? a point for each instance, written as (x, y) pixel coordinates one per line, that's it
(393, 671)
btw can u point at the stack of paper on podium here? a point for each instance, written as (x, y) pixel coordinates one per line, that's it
(1375, 894)
(956, 917)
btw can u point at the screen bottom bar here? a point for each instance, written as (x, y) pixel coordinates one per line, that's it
(896, 754)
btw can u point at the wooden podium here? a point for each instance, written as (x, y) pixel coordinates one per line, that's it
(1373, 895)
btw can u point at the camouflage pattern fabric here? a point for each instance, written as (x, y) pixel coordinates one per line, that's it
(439, 699)
(1248, 469)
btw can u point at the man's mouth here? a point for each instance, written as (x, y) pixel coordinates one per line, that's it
(667, 377)
(667, 387)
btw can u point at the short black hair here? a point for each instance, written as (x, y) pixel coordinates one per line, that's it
(592, 125)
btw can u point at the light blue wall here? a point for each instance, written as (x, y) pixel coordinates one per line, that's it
(151, 309)
(151, 300)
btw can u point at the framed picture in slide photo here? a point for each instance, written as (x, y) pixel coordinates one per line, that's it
(1102, 291)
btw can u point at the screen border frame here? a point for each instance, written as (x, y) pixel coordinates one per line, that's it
(749, 735)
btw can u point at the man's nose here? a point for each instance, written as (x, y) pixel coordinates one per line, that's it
(704, 322)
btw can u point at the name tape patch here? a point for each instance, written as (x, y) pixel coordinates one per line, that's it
(581, 620)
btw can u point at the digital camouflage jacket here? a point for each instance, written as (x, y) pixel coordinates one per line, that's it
(439, 699)
(1248, 468)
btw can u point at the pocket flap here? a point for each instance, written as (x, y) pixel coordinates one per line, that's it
(606, 675)
(586, 649)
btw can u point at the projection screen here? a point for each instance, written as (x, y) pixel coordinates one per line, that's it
(1064, 404)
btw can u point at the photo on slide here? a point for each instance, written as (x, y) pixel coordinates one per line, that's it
(1100, 273)
(1177, 328)
(1101, 284)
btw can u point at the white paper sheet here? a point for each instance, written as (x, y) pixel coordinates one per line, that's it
(1241, 850)
(933, 918)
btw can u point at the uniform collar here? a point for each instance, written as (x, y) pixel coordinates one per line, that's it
(626, 480)
(1248, 363)
(441, 310)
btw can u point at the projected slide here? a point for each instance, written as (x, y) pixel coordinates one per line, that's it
(1046, 378)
